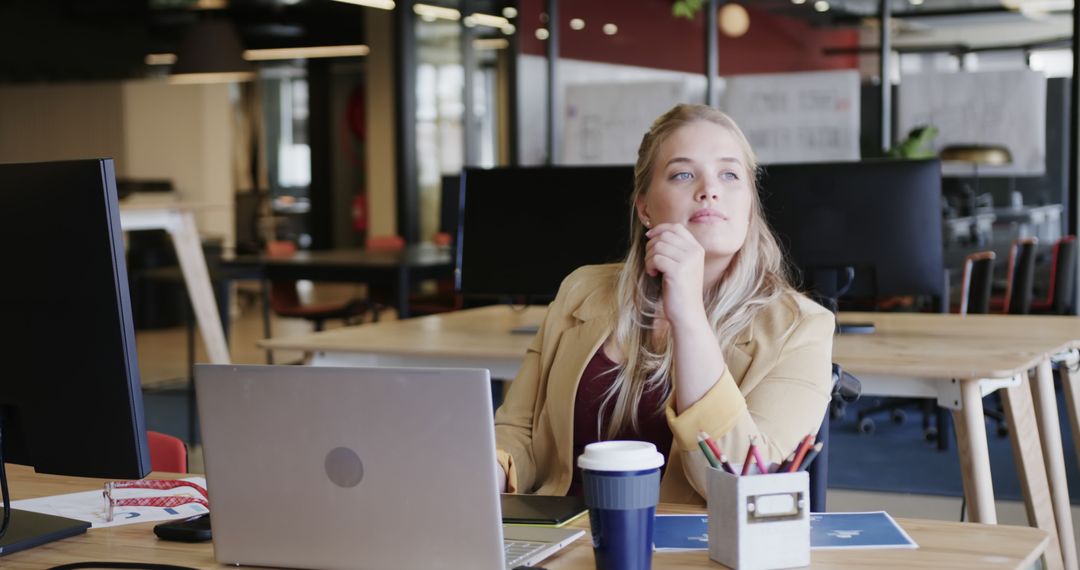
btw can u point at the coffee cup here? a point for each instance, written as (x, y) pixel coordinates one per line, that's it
(621, 480)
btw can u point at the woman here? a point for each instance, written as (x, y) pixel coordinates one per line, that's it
(697, 330)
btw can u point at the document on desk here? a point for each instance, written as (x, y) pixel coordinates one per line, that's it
(89, 506)
(828, 531)
(844, 531)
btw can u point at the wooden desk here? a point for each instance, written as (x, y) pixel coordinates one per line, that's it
(924, 344)
(397, 270)
(179, 221)
(941, 544)
(955, 360)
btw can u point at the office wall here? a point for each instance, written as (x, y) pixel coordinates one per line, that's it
(62, 122)
(184, 133)
(152, 129)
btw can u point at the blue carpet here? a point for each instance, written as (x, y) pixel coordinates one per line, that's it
(897, 458)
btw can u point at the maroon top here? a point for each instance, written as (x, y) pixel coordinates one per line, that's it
(599, 375)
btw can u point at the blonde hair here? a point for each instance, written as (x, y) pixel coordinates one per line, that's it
(755, 277)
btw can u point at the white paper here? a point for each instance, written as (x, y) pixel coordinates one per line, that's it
(89, 506)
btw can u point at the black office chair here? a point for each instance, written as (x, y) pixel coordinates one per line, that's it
(978, 282)
(846, 388)
(1021, 279)
(1059, 294)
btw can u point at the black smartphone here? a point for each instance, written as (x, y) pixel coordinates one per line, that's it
(191, 529)
(855, 328)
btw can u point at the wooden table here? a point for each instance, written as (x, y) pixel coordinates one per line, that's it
(962, 359)
(179, 221)
(956, 360)
(941, 544)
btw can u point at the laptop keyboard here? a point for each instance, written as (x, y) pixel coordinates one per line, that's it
(517, 551)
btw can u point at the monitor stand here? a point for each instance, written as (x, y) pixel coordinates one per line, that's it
(20, 530)
(28, 530)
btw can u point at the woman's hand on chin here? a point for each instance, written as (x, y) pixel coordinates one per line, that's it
(674, 253)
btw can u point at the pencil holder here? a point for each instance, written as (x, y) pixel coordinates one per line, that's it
(759, 522)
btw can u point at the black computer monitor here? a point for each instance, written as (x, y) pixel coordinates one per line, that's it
(70, 398)
(880, 219)
(524, 229)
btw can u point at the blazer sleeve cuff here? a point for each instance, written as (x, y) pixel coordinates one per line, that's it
(715, 413)
(507, 462)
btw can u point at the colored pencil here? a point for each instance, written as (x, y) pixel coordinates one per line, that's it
(810, 456)
(708, 453)
(801, 453)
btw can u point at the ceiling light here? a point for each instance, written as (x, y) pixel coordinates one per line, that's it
(577, 24)
(734, 20)
(510, 12)
(798, 1)
(490, 21)
(469, 22)
(209, 48)
(431, 13)
(357, 50)
(821, 6)
(214, 77)
(1038, 8)
(491, 43)
(509, 29)
(916, 2)
(380, 4)
(541, 34)
(160, 58)
(611, 29)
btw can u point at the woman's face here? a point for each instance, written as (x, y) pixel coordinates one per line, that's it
(700, 180)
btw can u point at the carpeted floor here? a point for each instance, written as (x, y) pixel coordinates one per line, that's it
(897, 458)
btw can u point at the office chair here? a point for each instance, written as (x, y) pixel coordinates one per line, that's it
(1059, 293)
(846, 388)
(977, 283)
(167, 453)
(285, 301)
(444, 299)
(1021, 279)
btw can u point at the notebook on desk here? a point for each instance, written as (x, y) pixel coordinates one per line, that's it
(312, 467)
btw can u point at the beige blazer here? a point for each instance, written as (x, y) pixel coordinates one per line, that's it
(776, 387)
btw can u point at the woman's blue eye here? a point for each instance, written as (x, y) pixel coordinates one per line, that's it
(681, 176)
(729, 175)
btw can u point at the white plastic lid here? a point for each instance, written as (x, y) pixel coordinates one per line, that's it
(620, 456)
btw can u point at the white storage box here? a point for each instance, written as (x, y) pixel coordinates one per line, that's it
(759, 522)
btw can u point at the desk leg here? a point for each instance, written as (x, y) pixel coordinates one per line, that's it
(403, 290)
(1071, 389)
(1027, 452)
(974, 454)
(192, 263)
(1046, 412)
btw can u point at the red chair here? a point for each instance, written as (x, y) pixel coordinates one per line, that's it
(167, 453)
(443, 300)
(285, 301)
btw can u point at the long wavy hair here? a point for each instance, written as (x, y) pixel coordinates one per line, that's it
(755, 277)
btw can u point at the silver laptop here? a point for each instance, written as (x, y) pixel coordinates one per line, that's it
(313, 467)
